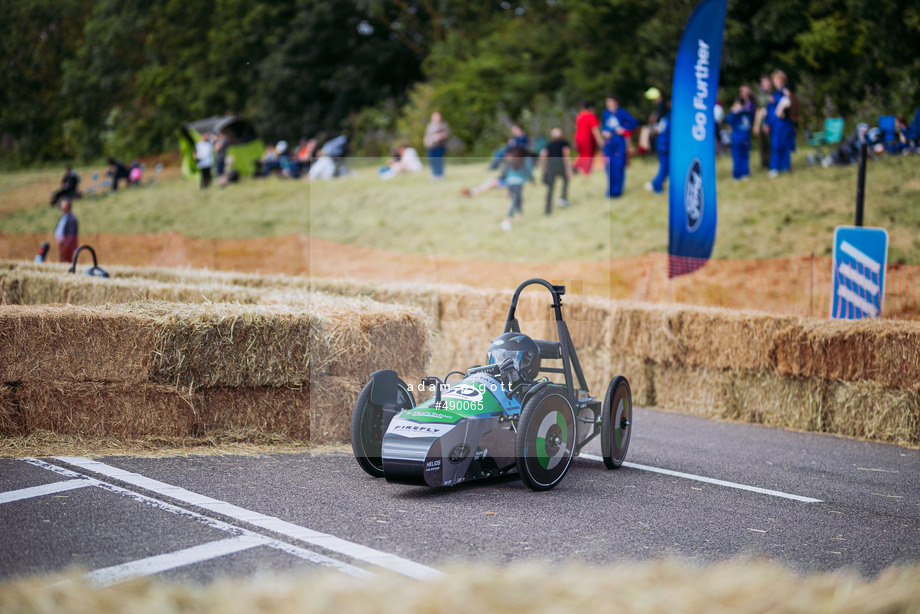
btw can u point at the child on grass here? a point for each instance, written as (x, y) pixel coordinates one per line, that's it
(518, 171)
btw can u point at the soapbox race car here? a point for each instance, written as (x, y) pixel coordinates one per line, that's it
(499, 418)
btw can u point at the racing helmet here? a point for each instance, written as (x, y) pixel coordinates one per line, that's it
(521, 349)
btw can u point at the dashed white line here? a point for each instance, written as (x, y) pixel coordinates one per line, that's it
(108, 576)
(359, 552)
(700, 478)
(41, 491)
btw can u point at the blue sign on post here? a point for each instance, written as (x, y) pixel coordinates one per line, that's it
(860, 258)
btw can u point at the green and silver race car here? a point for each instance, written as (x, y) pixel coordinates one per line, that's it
(499, 418)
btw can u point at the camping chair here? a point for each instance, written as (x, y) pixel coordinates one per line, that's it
(831, 135)
(890, 140)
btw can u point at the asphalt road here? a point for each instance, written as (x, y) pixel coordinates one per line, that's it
(199, 518)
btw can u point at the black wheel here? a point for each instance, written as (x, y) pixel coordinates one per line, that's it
(368, 424)
(545, 438)
(616, 422)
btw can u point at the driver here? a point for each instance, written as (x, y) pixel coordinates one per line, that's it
(521, 349)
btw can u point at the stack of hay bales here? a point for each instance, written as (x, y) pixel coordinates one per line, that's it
(170, 369)
(852, 378)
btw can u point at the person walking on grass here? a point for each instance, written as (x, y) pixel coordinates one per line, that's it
(66, 233)
(588, 138)
(616, 123)
(556, 161)
(663, 146)
(518, 171)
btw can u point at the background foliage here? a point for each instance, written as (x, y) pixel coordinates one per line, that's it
(83, 78)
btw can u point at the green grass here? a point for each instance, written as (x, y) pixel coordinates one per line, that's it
(760, 218)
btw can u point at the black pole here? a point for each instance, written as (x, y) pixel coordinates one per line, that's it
(861, 182)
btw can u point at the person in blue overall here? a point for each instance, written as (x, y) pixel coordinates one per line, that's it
(663, 146)
(741, 119)
(615, 123)
(782, 125)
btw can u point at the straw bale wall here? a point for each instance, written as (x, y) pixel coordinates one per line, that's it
(853, 378)
(151, 368)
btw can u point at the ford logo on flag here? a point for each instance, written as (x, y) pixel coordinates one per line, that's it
(693, 195)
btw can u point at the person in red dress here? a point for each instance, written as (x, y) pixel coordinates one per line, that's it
(587, 138)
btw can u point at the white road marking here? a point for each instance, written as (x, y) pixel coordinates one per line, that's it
(359, 552)
(303, 553)
(44, 489)
(700, 478)
(108, 576)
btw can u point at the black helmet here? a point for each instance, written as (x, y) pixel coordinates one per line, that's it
(520, 348)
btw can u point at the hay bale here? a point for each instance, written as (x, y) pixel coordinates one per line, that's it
(366, 336)
(647, 331)
(765, 397)
(871, 411)
(28, 287)
(73, 344)
(696, 336)
(332, 400)
(883, 351)
(697, 391)
(9, 412)
(283, 411)
(638, 372)
(727, 339)
(231, 345)
(95, 409)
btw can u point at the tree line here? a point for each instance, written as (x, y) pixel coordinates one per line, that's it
(85, 78)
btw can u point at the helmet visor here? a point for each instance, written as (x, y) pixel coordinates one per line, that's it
(499, 355)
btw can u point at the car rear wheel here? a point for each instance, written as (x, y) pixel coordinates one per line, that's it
(545, 438)
(616, 422)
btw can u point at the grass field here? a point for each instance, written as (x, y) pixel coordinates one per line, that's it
(760, 218)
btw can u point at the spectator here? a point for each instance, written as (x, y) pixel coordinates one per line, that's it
(761, 127)
(437, 132)
(305, 154)
(587, 138)
(204, 157)
(783, 124)
(741, 120)
(518, 170)
(117, 171)
(268, 162)
(518, 138)
(556, 160)
(323, 168)
(615, 124)
(66, 233)
(220, 153)
(663, 146)
(135, 173)
(69, 184)
(405, 160)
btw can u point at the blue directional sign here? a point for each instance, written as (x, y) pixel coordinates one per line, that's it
(860, 258)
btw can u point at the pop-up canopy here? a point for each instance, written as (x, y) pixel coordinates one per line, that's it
(243, 142)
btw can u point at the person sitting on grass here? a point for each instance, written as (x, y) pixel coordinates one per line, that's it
(405, 160)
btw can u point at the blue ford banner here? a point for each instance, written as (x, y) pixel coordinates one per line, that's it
(692, 173)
